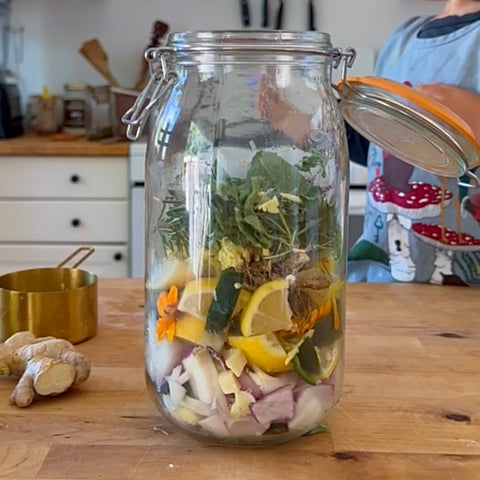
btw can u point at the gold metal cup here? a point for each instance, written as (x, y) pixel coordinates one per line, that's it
(58, 302)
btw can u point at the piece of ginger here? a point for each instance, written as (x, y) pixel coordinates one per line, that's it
(46, 366)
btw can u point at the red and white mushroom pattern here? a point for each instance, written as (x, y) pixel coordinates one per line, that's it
(432, 234)
(423, 200)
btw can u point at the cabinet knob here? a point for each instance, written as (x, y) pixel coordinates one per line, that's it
(75, 178)
(75, 222)
(118, 256)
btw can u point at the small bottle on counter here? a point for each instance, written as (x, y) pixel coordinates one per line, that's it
(76, 109)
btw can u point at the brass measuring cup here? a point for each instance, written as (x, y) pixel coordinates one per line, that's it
(59, 302)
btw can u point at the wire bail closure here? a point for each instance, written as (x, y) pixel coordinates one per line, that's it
(348, 56)
(161, 80)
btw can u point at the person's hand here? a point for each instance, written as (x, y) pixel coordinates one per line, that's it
(281, 114)
(464, 103)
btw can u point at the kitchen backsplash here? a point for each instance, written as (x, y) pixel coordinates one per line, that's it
(55, 30)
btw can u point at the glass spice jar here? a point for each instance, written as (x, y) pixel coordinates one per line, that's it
(246, 206)
(76, 109)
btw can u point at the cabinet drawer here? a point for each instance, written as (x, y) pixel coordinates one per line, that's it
(106, 261)
(58, 221)
(63, 177)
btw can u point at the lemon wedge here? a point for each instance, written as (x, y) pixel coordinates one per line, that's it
(192, 329)
(263, 351)
(242, 301)
(268, 309)
(197, 297)
(171, 272)
(328, 357)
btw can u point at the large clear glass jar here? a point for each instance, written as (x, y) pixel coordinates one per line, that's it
(246, 204)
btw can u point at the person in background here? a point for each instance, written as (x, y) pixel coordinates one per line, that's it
(416, 229)
(413, 231)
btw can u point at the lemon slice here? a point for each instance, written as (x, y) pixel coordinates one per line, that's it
(328, 357)
(268, 309)
(242, 301)
(192, 329)
(263, 351)
(171, 272)
(197, 297)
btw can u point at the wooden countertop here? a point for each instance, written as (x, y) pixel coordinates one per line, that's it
(31, 144)
(410, 407)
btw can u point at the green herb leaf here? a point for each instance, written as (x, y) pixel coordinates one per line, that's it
(318, 429)
(304, 375)
(272, 171)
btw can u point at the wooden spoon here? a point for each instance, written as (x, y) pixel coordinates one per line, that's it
(159, 29)
(94, 53)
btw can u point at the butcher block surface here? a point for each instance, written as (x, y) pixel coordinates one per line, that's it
(31, 144)
(410, 407)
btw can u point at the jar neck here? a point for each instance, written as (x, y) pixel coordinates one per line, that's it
(250, 47)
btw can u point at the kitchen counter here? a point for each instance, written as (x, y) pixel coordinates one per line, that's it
(410, 407)
(31, 144)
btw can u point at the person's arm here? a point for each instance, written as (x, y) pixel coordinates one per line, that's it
(465, 103)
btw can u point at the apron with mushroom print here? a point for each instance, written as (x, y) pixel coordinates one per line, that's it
(420, 227)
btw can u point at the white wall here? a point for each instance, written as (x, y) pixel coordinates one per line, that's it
(55, 29)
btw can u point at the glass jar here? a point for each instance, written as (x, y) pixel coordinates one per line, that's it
(76, 103)
(246, 205)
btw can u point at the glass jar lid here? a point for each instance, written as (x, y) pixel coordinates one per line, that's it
(409, 125)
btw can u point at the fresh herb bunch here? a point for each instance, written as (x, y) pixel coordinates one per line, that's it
(173, 224)
(277, 210)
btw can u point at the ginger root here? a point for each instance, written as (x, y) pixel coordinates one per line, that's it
(45, 366)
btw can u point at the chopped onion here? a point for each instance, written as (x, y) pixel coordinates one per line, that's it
(268, 383)
(278, 405)
(248, 385)
(215, 425)
(203, 375)
(163, 356)
(312, 406)
(198, 407)
(177, 392)
(246, 427)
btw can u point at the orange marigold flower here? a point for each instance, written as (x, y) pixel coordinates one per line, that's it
(165, 326)
(301, 325)
(167, 308)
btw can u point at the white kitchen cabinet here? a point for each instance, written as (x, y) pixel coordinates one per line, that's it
(106, 261)
(49, 206)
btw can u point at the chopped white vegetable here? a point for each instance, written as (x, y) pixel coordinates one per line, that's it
(203, 375)
(311, 408)
(171, 272)
(162, 357)
(235, 360)
(186, 415)
(228, 382)
(215, 425)
(241, 405)
(276, 406)
(246, 427)
(177, 392)
(198, 407)
(268, 383)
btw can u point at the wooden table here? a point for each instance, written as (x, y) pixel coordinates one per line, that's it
(410, 407)
(32, 144)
